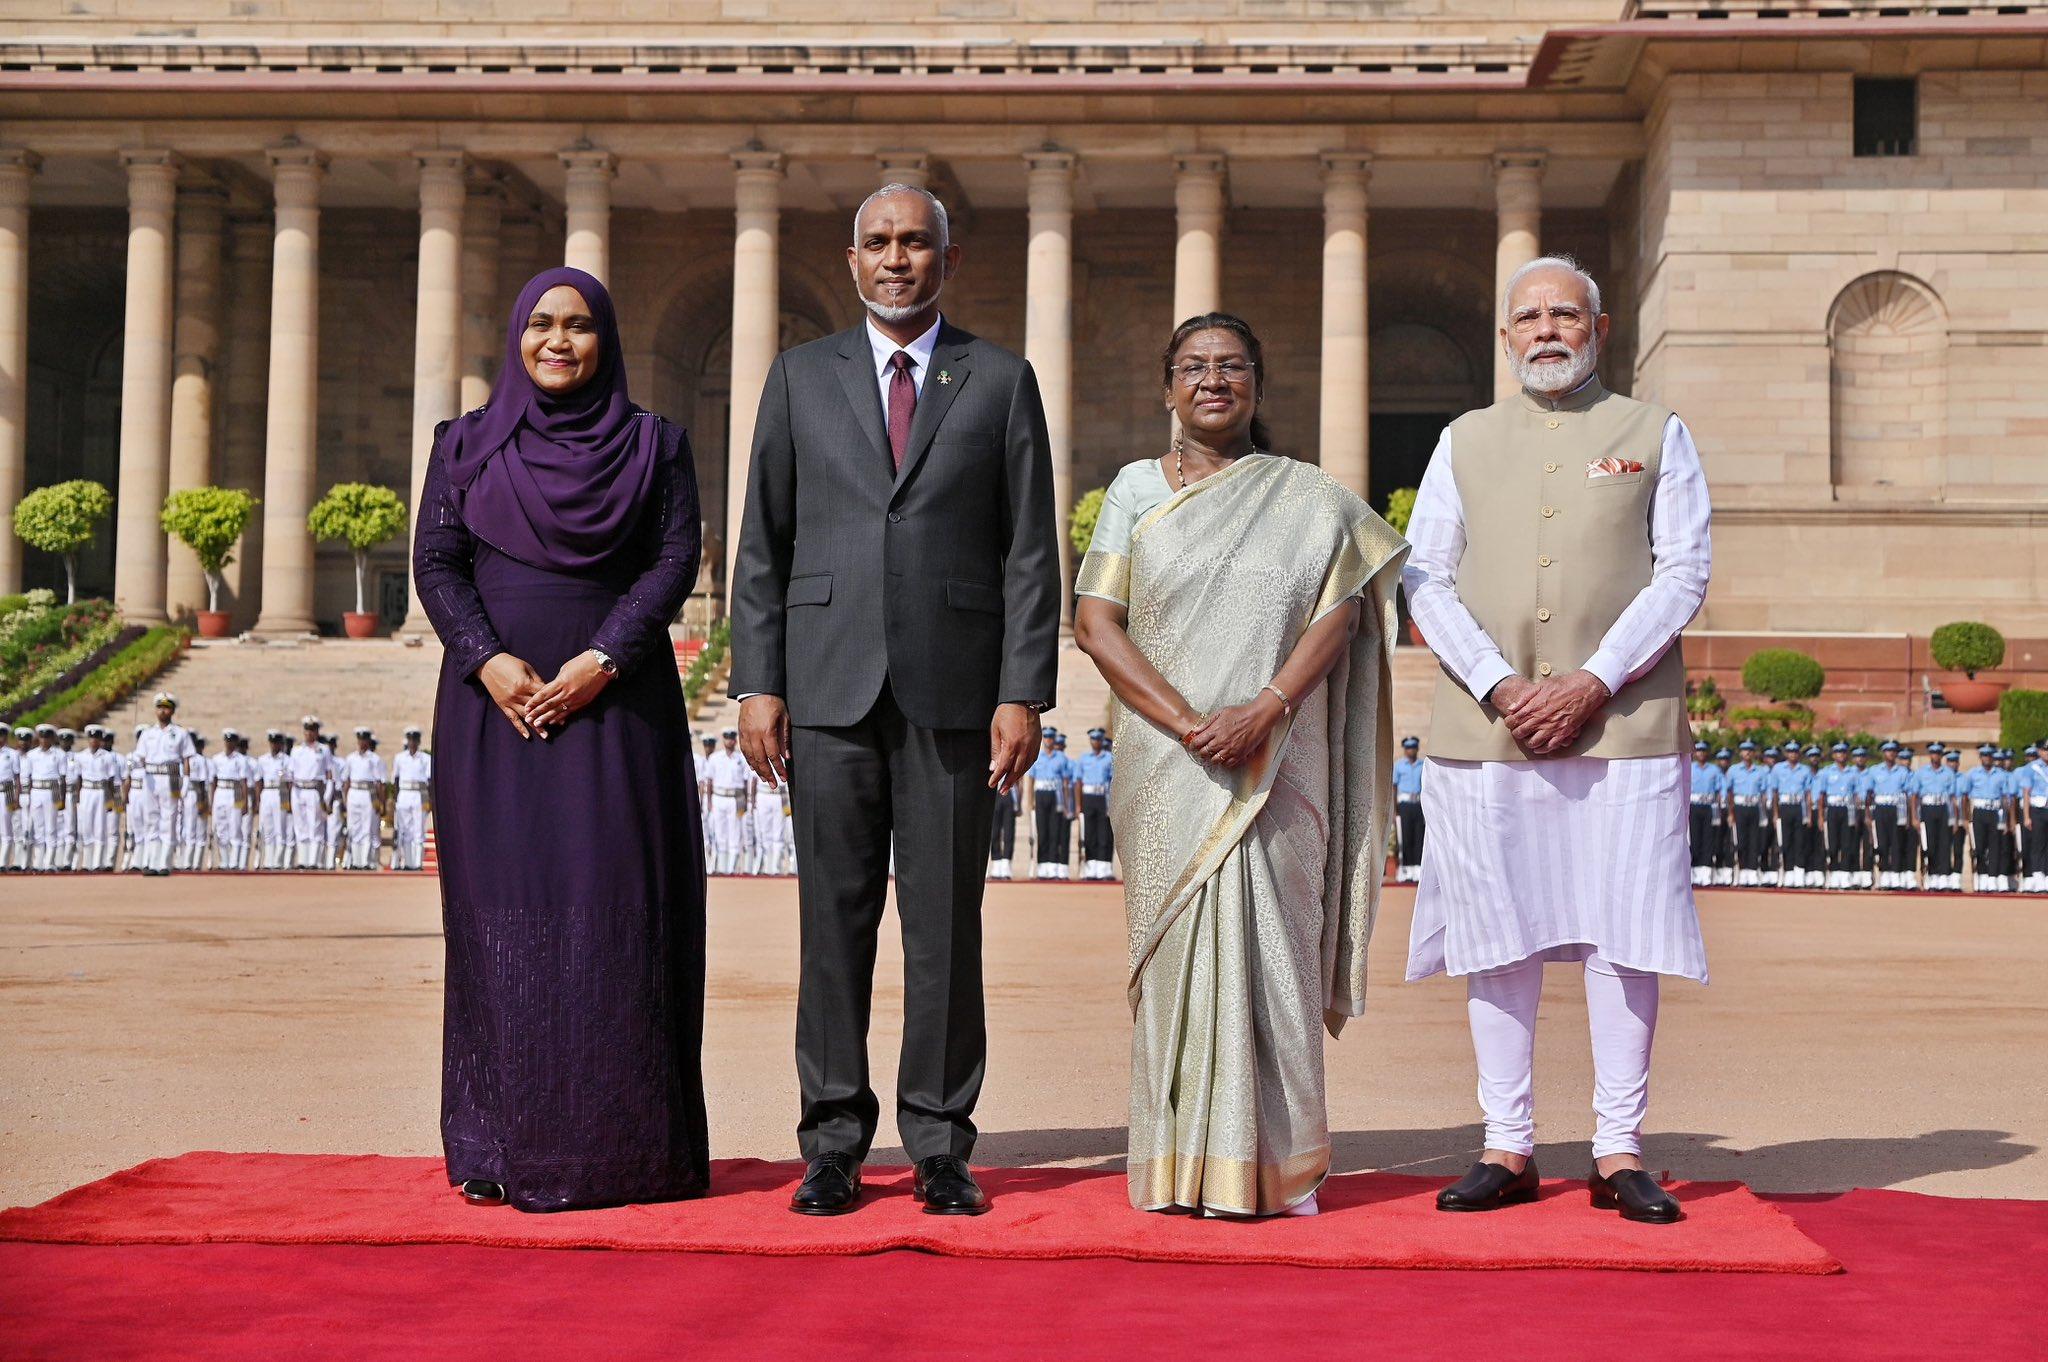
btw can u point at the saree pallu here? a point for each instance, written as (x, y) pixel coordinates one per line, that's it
(1251, 892)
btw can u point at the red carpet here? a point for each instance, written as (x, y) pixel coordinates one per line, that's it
(1369, 1220)
(1927, 1278)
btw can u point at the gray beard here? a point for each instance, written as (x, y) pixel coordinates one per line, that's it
(1555, 379)
(893, 312)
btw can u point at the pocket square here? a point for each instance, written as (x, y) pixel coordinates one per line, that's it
(1607, 468)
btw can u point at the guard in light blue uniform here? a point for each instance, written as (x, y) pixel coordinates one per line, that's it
(1934, 801)
(1093, 770)
(1408, 821)
(1049, 781)
(1982, 790)
(1890, 787)
(1839, 790)
(2031, 796)
(1709, 788)
(1791, 782)
(2012, 852)
(1748, 793)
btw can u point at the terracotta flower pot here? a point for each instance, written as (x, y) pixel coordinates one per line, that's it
(213, 624)
(359, 626)
(1973, 697)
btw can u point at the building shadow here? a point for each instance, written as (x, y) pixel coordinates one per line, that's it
(1827, 1165)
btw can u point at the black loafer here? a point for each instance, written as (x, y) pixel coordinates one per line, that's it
(1488, 1187)
(477, 1192)
(831, 1185)
(1636, 1195)
(944, 1185)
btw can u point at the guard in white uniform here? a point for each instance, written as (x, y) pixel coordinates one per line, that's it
(334, 842)
(726, 775)
(766, 822)
(412, 772)
(100, 777)
(67, 811)
(131, 802)
(46, 773)
(708, 745)
(10, 794)
(363, 785)
(195, 803)
(17, 820)
(308, 768)
(163, 751)
(232, 774)
(274, 801)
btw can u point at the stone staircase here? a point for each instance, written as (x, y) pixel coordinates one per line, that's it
(257, 686)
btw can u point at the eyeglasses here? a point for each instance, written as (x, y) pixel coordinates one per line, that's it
(1566, 318)
(1231, 371)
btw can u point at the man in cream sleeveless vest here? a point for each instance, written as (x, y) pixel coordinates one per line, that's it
(1560, 546)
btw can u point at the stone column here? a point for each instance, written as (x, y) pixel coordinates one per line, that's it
(437, 332)
(588, 244)
(16, 169)
(1346, 408)
(483, 311)
(195, 363)
(291, 417)
(1049, 329)
(242, 402)
(1518, 200)
(756, 320)
(139, 553)
(1197, 251)
(913, 168)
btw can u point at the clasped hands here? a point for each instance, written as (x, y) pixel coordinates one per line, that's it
(532, 705)
(1546, 716)
(1231, 735)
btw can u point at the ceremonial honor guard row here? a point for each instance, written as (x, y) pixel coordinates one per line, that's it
(1782, 818)
(167, 804)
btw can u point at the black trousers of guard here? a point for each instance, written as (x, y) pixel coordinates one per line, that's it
(1047, 827)
(1934, 822)
(1002, 842)
(1065, 847)
(1097, 842)
(2037, 843)
(1845, 837)
(1987, 843)
(1749, 837)
(1886, 827)
(1791, 837)
(1724, 841)
(1409, 812)
(864, 786)
(1703, 837)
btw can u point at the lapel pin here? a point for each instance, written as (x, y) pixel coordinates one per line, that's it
(945, 377)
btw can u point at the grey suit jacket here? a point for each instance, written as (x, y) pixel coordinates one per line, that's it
(942, 580)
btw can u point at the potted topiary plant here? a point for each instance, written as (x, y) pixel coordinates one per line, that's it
(62, 519)
(1785, 676)
(1969, 647)
(363, 516)
(209, 521)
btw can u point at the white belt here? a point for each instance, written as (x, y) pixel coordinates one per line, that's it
(306, 784)
(728, 794)
(1748, 801)
(1705, 800)
(272, 783)
(1407, 799)
(412, 784)
(1094, 789)
(42, 784)
(1841, 801)
(160, 768)
(1888, 800)
(95, 784)
(2039, 803)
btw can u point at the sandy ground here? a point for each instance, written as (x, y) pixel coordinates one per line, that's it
(1847, 1040)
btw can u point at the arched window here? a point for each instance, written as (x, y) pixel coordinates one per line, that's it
(1888, 382)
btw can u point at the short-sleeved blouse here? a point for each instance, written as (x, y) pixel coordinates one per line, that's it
(1106, 569)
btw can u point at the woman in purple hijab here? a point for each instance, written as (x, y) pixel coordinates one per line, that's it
(558, 536)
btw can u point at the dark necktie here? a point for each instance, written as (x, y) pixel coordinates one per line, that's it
(902, 405)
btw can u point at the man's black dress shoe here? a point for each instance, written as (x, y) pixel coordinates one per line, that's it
(1636, 1195)
(1488, 1187)
(831, 1185)
(477, 1192)
(944, 1185)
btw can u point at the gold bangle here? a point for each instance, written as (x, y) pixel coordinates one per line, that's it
(1286, 705)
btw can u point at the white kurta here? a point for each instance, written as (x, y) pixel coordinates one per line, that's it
(1559, 857)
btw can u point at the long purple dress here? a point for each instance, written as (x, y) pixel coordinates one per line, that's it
(572, 870)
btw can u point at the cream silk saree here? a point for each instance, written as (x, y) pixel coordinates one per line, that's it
(1251, 892)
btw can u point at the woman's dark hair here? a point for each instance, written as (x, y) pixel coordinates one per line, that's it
(1242, 329)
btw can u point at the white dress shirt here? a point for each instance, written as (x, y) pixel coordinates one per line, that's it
(919, 350)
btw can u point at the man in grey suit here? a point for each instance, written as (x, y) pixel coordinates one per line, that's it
(895, 636)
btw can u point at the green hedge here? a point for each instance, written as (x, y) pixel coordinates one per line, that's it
(1783, 674)
(1776, 735)
(2022, 718)
(113, 681)
(699, 675)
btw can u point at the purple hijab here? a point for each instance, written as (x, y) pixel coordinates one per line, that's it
(557, 482)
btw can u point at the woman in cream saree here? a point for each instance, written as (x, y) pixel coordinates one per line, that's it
(1241, 606)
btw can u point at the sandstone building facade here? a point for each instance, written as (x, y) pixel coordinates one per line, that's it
(269, 244)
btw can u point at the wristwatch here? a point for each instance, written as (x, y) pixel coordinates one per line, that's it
(604, 662)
